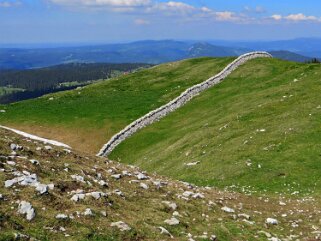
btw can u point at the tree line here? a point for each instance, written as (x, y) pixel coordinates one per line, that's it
(51, 77)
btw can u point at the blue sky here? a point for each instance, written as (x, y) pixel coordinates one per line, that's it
(88, 21)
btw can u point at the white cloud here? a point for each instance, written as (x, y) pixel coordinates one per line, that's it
(8, 4)
(276, 17)
(295, 18)
(225, 16)
(172, 7)
(300, 17)
(140, 21)
(102, 3)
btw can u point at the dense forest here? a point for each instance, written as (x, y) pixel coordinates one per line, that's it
(50, 77)
(26, 84)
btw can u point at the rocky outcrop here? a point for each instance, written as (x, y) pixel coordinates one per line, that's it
(178, 102)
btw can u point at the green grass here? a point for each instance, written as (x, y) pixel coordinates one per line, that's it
(87, 118)
(220, 128)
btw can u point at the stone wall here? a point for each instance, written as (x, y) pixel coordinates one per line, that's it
(176, 103)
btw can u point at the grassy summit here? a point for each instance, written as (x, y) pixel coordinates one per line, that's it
(86, 118)
(260, 129)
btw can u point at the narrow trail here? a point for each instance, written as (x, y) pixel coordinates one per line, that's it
(36, 138)
(176, 103)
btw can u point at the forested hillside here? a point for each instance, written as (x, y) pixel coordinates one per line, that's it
(18, 85)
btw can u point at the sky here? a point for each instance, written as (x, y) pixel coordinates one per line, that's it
(109, 21)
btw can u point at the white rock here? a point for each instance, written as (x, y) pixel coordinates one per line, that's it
(11, 163)
(228, 210)
(35, 162)
(97, 195)
(271, 221)
(103, 183)
(243, 215)
(13, 146)
(88, 212)
(176, 214)
(165, 231)
(192, 163)
(61, 216)
(2, 111)
(171, 205)
(26, 208)
(187, 193)
(173, 221)
(143, 185)
(10, 183)
(78, 178)
(48, 148)
(274, 239)
(121, 226)
(104, 213)
(77, 197)
(198, 195)
(119, 193)
(116, 176)
(141, 176)
(41, 188)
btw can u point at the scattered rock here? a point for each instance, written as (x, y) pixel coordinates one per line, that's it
(103, 183)
(143, 185)
(48, 148)
(141, 176)
(41, 188)
(121, 226)
(271, 221)
(192, 163)
(35, 162)
(78, 178)
(26, 208)
(171, 205)
(165, 231)
(88, 212)
(173, 221)
(116, 176)
(77, 197)
(61, 216)
(228, 210)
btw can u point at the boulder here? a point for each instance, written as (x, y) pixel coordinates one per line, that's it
(26, 208)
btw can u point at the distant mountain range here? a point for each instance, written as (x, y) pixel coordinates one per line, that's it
(153, 52)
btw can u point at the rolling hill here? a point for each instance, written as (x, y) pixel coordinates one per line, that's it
(259, 128)
(85, 118)
(257, 133)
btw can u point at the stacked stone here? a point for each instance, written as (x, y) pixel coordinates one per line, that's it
(178, 102)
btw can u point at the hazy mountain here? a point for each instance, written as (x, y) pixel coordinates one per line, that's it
(153, 52)
(305, 46)
(206, 49)
(290, 56)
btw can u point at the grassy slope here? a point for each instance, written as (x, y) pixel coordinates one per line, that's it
(220, 129)
(141, 209)
(87, 118)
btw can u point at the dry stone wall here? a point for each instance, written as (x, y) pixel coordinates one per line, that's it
(176, 103)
